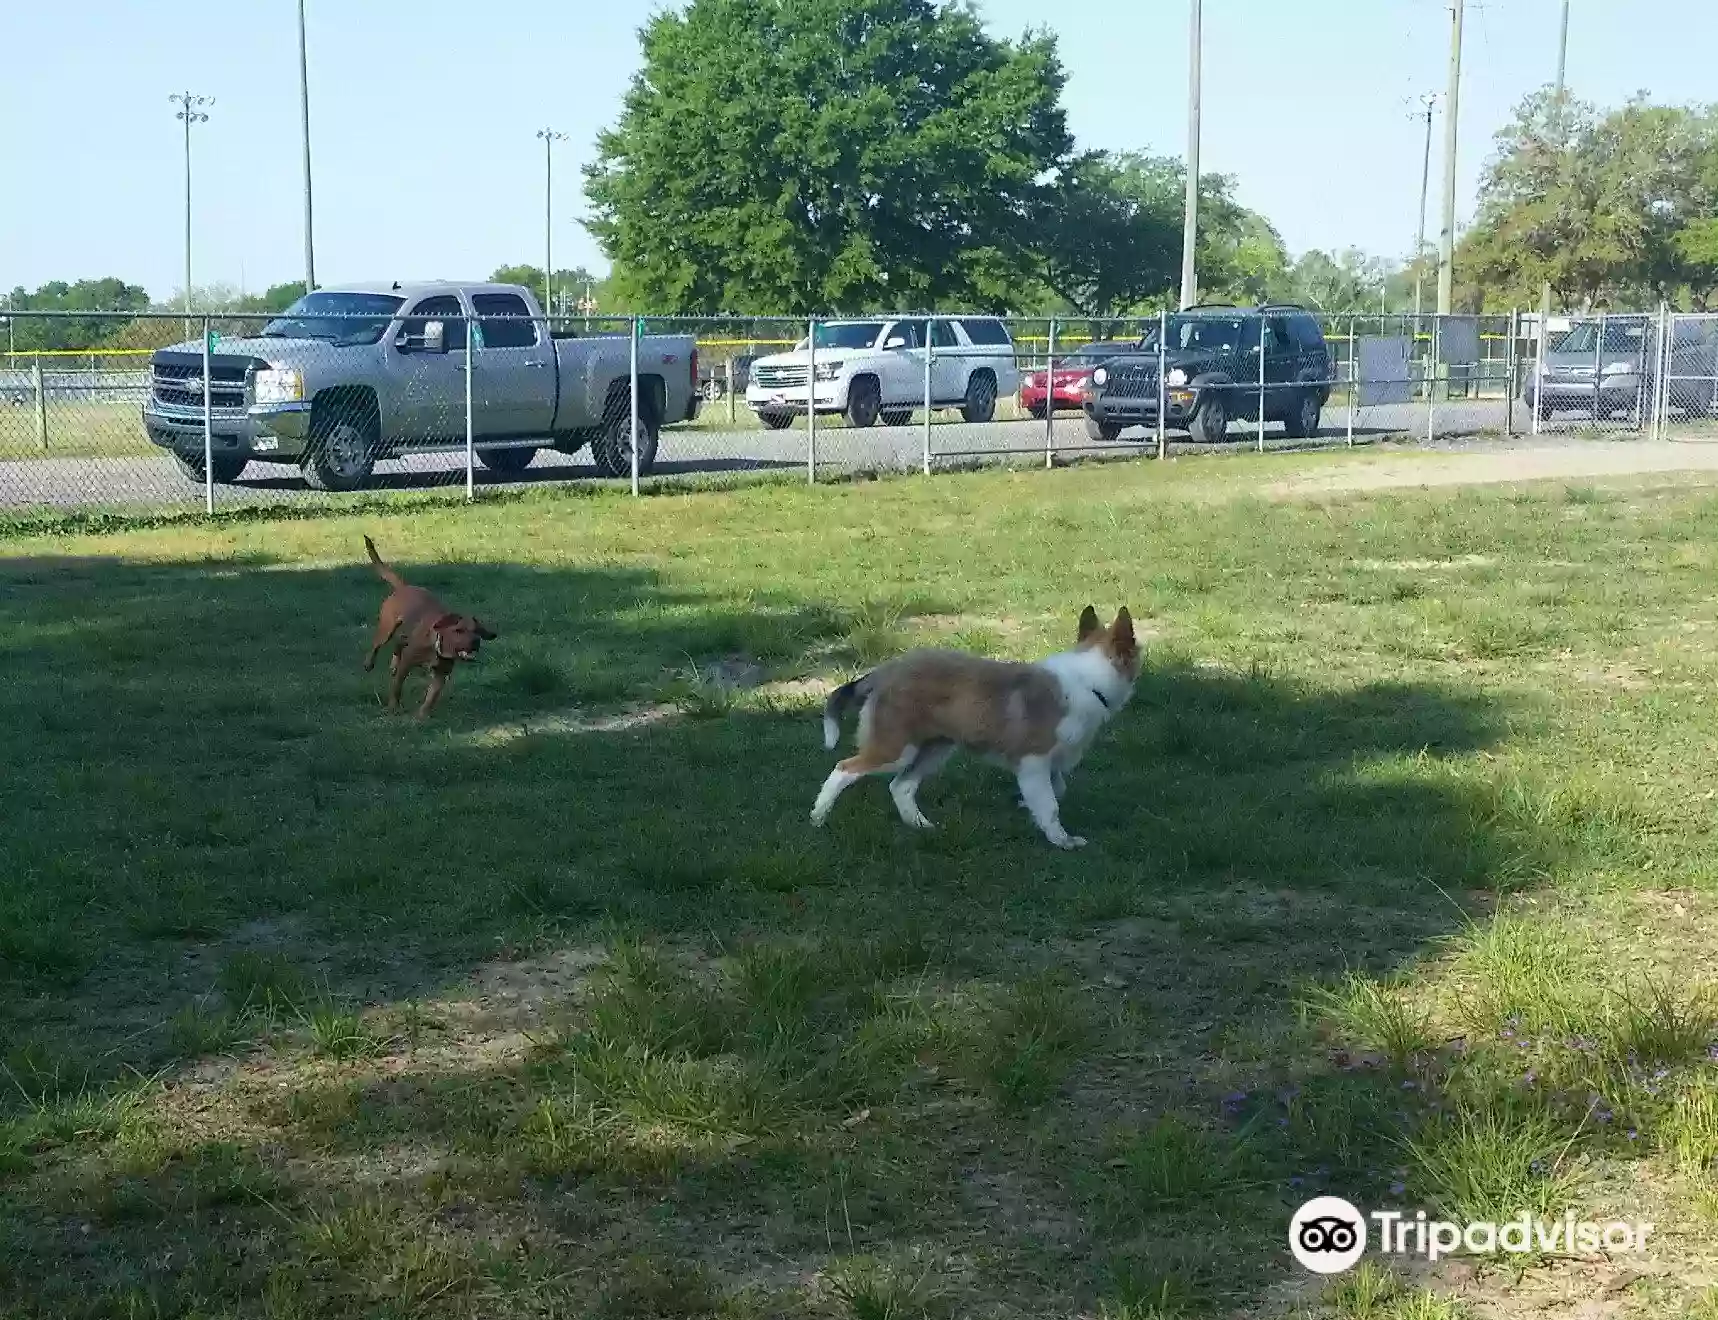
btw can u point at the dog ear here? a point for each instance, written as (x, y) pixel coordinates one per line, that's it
(446, 621)
(484, 631)
(1089, 625)
(1121, 633)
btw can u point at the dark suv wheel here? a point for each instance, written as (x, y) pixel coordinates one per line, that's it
(1211, 423)
(1303, 419)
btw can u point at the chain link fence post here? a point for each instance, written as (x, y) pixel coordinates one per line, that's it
(1511, 368)
(1599, 374)
(1263, 322)
(1538, 375)
(1162, 383)
(208, 426)
(471, 341)
(38, 388)
(633, 331)
(1050, 398)
(811, 402)
(1353, 381)
(1432, 382)
(927, 431)
(1662, 364)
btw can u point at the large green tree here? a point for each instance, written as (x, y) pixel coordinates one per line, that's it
(1107, 237)
(825, 155)
(1607, 208)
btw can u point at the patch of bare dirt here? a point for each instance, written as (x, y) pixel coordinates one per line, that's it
(1525, 463)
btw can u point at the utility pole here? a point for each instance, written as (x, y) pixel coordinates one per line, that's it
(1428, 102)
(550, 137)
(190, 112)
(304, 124)
(1190, 217)
(1557, 130)
(1452, 117)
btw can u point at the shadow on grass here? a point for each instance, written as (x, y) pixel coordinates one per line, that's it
(799, 1044)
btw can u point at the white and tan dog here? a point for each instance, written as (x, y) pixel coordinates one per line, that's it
(1038, 719)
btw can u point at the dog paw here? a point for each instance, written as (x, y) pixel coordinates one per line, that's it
(918, 821)
(1068, 842)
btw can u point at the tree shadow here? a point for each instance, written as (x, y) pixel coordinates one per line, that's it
(201, 771)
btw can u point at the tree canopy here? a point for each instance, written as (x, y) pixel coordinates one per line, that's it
(103, 295)
(1609, 208)
(825, 155)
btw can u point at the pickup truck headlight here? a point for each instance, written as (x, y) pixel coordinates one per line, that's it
(1619, 369)
(1176, 376)
(828, 370)
(1100, 377)
(280, 385)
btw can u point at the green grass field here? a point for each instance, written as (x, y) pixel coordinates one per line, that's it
(1400, 886)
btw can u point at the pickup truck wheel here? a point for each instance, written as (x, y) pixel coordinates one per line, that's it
(864, 402)
(341, 455)
(507, 460)
(980, 405)
(1105, 432)
(227, 467)
(897, 416)
(1211, 422)
(612, 450)
(776, 421)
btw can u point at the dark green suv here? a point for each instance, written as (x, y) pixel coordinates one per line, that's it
(1212, 374)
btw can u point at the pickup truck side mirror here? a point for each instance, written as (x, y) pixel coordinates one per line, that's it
(895, 341)
(431, 339)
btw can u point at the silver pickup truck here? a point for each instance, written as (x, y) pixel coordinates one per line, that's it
(349, 376)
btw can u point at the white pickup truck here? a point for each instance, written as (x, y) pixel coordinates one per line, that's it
(348, 376)
(875, 368)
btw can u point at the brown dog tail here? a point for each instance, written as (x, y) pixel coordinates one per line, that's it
(387, 574)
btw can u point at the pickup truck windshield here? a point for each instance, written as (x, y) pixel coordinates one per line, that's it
(853, 334)
(339, 318)
(1620, 337)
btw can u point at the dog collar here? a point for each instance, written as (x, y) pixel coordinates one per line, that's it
(1102, 699)
(442, 655)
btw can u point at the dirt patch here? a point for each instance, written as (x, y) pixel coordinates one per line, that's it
(1526, 463)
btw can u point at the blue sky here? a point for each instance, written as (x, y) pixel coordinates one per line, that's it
(1308, 102)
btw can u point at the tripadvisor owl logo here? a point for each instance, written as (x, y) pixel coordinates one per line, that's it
(1328, 1235)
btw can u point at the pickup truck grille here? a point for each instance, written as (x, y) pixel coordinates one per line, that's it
(775, 378)
(178, 386)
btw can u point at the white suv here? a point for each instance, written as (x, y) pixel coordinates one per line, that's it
(876, 367)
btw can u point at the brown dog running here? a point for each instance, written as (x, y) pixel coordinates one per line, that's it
(428, 634)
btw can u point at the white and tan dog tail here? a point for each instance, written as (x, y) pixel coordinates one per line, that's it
(837, 706)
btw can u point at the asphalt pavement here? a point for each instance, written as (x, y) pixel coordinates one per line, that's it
(157, 481)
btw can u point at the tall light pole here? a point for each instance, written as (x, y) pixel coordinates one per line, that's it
(1428, 102)
(1452, 117)
(1190, 216)
(190, 112)
(550, 137)
(304, 126)
(1557, 130)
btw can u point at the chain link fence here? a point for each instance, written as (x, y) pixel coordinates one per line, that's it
(466, 391)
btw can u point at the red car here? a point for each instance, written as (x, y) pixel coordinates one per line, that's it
(1072, 372)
